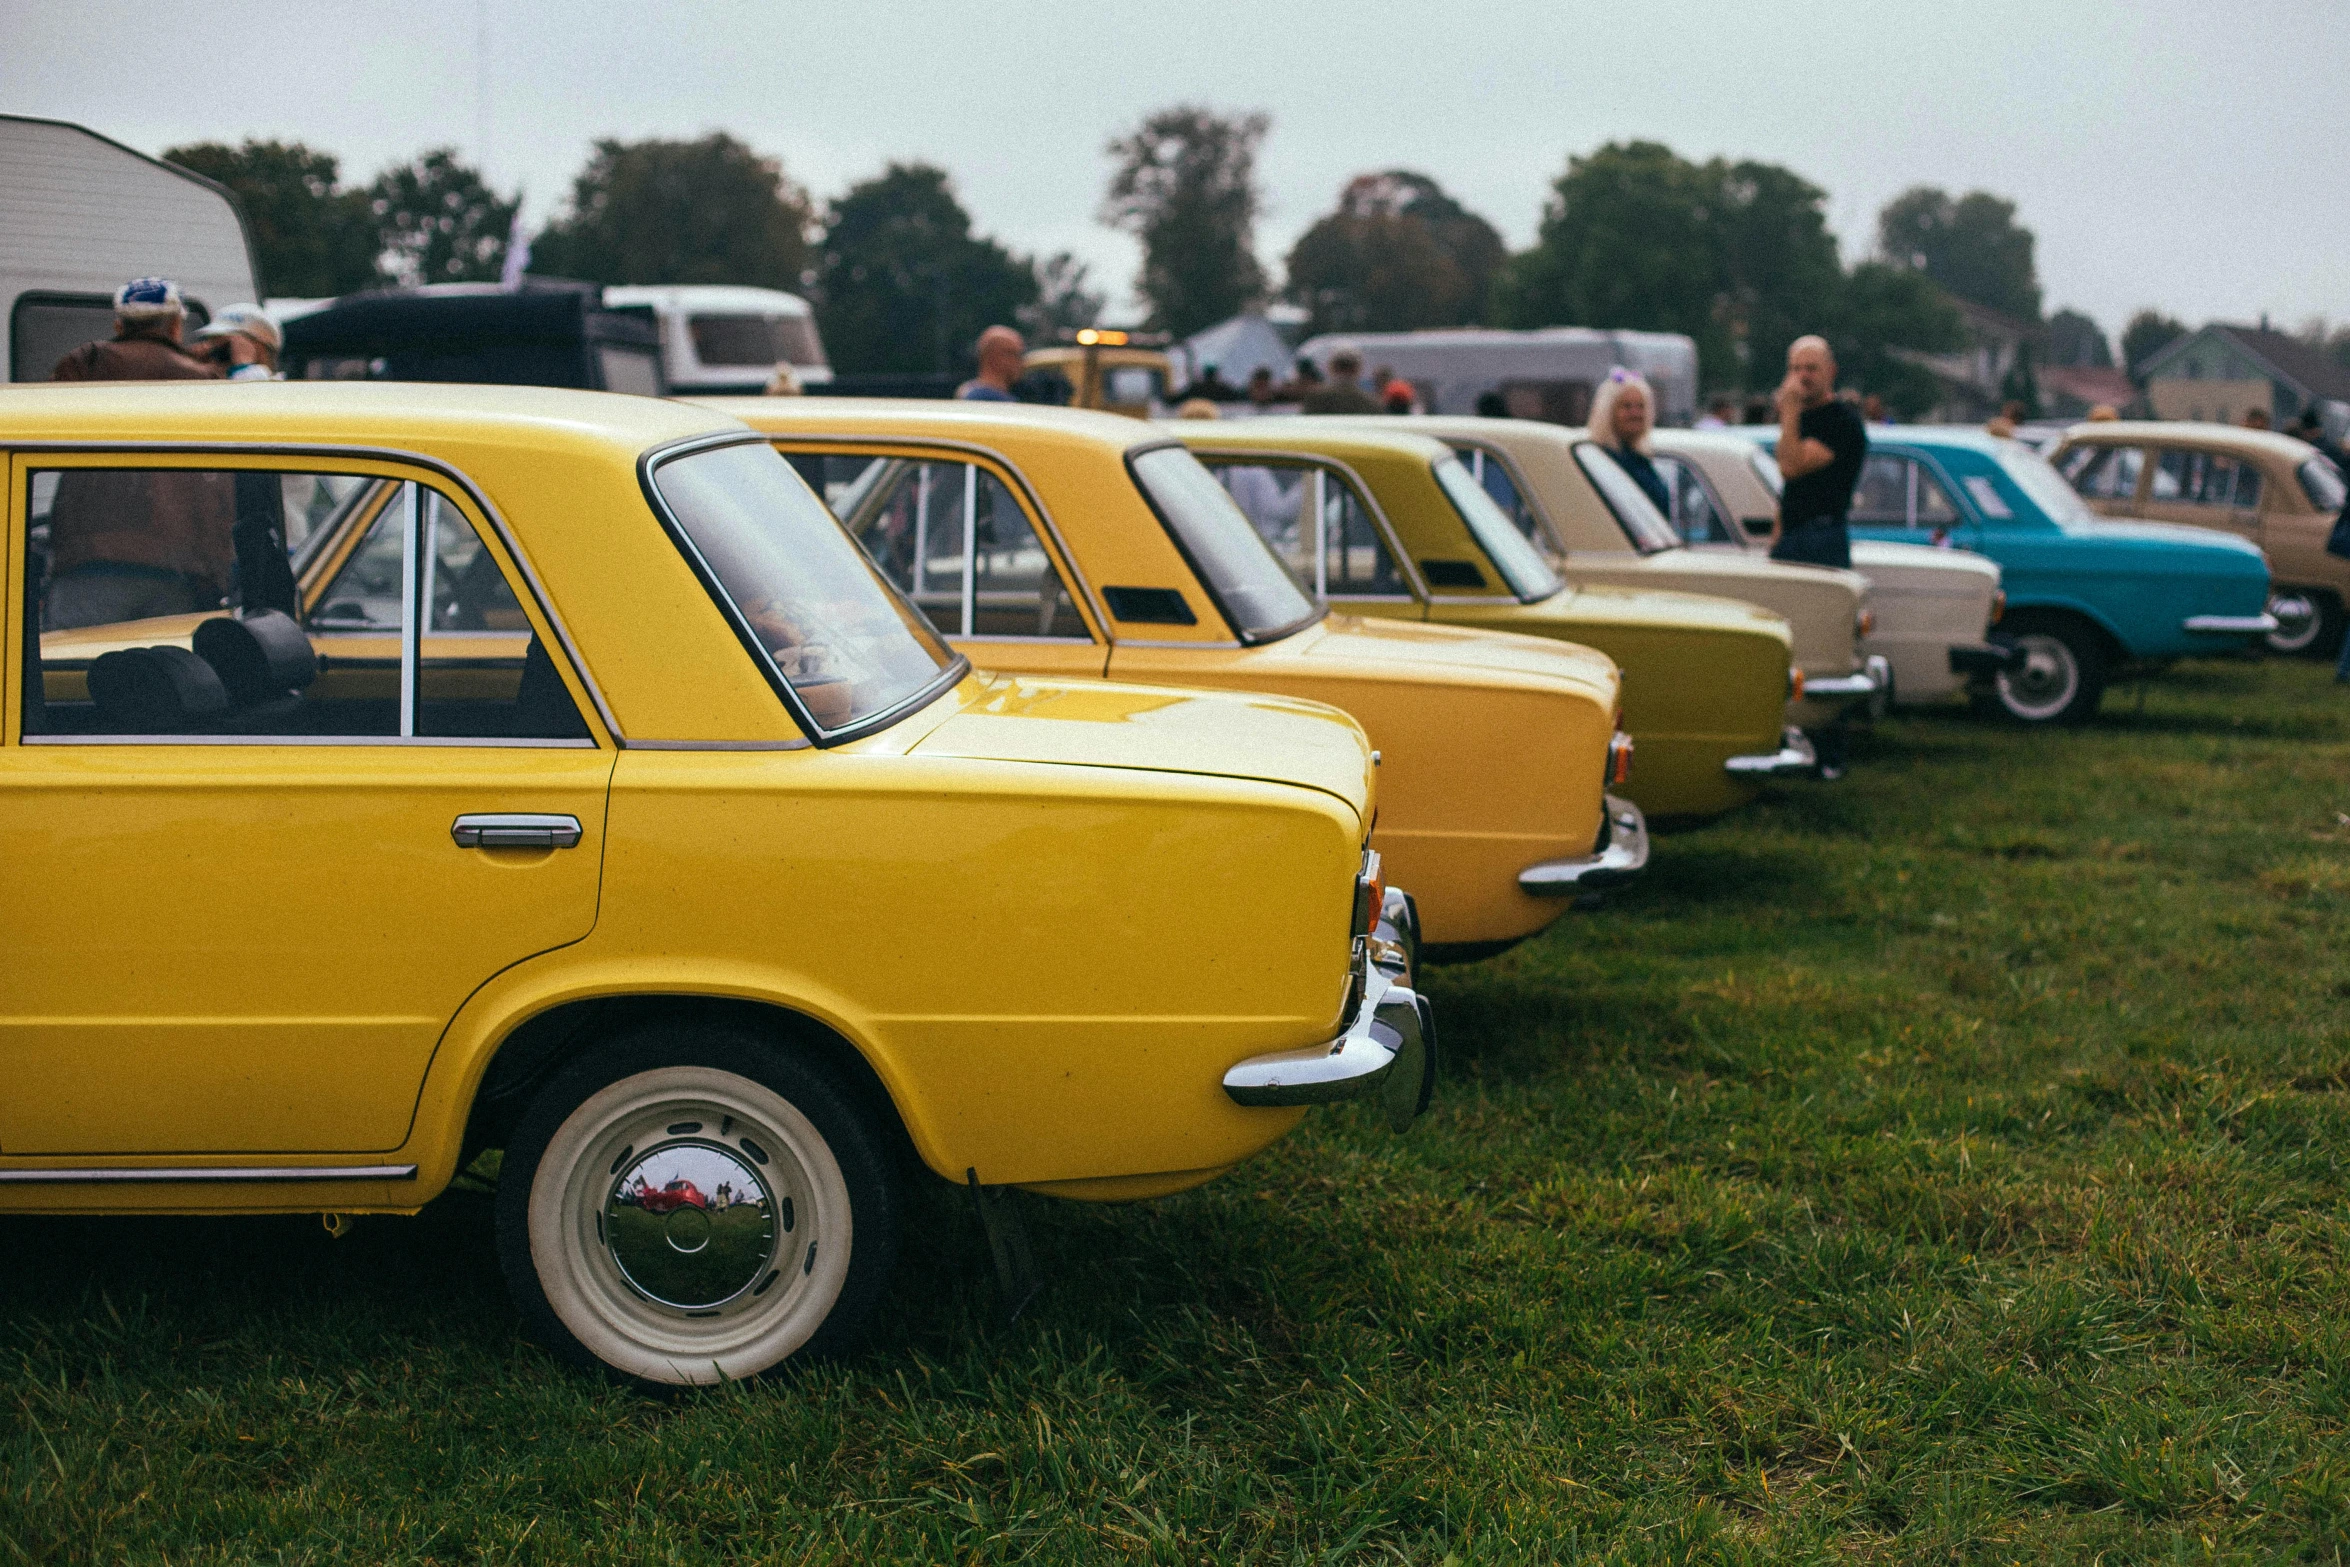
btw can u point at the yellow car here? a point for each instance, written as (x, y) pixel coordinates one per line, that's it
(1706, 680)
(1108, 370)
(1056, 540)
(669, 850)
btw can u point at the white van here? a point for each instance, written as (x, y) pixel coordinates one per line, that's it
(717, 338)
(84, 216)
(1546, 374)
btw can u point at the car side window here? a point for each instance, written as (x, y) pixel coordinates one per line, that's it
(953, 537)
(1934, 508)
(1881, 498)
(2247, 486)
(415, 631)
(1694, 516)
(2105, 473)
(2202, 478)
(1318, 524)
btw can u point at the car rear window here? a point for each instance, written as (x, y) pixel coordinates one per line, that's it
(1249, 582)
(1513, 555)
(1634, 512)
(823, 620)
(2321, 481)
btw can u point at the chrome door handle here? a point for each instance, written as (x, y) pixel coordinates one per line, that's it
(515, 830)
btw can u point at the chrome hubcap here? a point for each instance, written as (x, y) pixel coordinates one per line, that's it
(2044, 683)
(2296, 622)
(691, 1224)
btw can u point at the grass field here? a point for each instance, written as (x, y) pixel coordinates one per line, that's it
(1943, 1165)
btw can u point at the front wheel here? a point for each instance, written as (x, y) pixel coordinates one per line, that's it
(692, 1208)
(2059, 678)
(2309, 622)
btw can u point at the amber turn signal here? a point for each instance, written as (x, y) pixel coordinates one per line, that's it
(1619, 758)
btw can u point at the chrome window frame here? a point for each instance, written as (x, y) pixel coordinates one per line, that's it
(949, 674)
(329, 452)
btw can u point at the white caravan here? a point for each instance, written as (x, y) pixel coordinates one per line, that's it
(85, 215)
(1548, 374)
(717, 338)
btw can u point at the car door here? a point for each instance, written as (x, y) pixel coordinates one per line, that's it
(955, 536)
(241, 904)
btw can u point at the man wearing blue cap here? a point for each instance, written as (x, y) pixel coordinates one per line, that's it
(146, 343)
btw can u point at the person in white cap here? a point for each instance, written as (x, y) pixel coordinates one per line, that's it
(243, 342)
(148, 317)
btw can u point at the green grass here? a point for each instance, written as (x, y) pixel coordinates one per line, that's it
(1944, 1165)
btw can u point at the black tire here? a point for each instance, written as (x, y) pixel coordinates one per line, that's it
(2062, 679)
(615, 1266)
(2310, 622)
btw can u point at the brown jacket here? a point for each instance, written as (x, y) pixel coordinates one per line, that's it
(133, 357)
(177, 521)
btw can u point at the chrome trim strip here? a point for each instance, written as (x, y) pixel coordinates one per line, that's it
(1624, 858)
(182, 1175)
(2249, 625)
(722, 745)
(481, 742)
(1794, 755)
(390, 454)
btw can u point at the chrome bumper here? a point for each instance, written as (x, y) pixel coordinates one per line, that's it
(1872, 681)
(1622, 852)
(1388, 1051)
(1794, 755)
(2225, 625)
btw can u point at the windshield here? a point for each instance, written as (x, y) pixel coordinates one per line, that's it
(2322, 482)
(829, 627)
(1635, 513)
(2042, 485)
(1256, 592)
(1521, 565)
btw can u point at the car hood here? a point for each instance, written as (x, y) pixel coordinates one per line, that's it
(1408, 649)
(1094, 723)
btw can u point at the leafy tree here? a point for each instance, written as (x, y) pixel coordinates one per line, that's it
(311, 238)
(2074, 339)
(2148, 333)
(1063, 302)
(707, 211)
(903, 285)
(437, 222)
(1185, 184)
(1971, 246)
(1881, 316)
(1397, 255)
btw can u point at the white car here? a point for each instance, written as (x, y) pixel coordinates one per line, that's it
(1933, 606)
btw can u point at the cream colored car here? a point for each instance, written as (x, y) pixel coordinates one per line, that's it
(1600, 530)
(1932, 606)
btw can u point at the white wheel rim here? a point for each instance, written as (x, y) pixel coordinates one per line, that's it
(2047, 682)
(709, 1333)
(2297, 622)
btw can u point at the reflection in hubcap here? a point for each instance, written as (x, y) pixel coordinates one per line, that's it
(691, 1224)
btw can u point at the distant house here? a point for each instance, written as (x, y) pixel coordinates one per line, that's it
(2069, 391)
(2219, 372)
(1972, 375)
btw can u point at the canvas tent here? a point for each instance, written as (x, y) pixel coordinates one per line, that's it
(1238, 348)
(84, 214)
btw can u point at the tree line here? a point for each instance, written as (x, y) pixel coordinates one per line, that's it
(1736, 254)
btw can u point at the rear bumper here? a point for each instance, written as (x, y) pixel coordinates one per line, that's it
(1621, 855)
(1795, 755)
(1984, 658)
(1387, 1052)
(1871, 683)
(2230, 625)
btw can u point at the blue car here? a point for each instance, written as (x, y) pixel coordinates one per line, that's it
(2087, 596)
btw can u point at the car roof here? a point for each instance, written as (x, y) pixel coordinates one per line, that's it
(1325, 437)
(346, 413)
(2181, 432)
(726, 298)
(939, 418)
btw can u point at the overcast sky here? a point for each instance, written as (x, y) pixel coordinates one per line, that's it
(2173, 153)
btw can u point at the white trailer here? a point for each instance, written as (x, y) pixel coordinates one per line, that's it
(721, 338)
(80, 215)
(1545, 374)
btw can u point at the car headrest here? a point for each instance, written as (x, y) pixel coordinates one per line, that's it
(259, 658)
(156, 691)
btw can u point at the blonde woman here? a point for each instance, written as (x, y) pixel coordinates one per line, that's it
(1622, 414)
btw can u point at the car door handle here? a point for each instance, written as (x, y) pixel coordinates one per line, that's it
(515, 830)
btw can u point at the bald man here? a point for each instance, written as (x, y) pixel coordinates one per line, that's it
(1001, 351)
(1822, 444)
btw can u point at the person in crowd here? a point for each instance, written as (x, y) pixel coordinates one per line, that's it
(2256, 418)
(1622, 414)
(2000, 425)
(1822, 444)
(2102, 413)
(1261, 390)
(1718, 414)
(148, 320)
(243, 343)
(1212, 386)
(1872, 410)
(1344, 393)
(1305, 379)
(1492, 405)
(1397, 396)
(782, 383)
(1757, 411)
(1000, 351)
(1198, 408)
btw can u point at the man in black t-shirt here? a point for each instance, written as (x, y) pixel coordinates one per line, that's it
(1822, 443)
